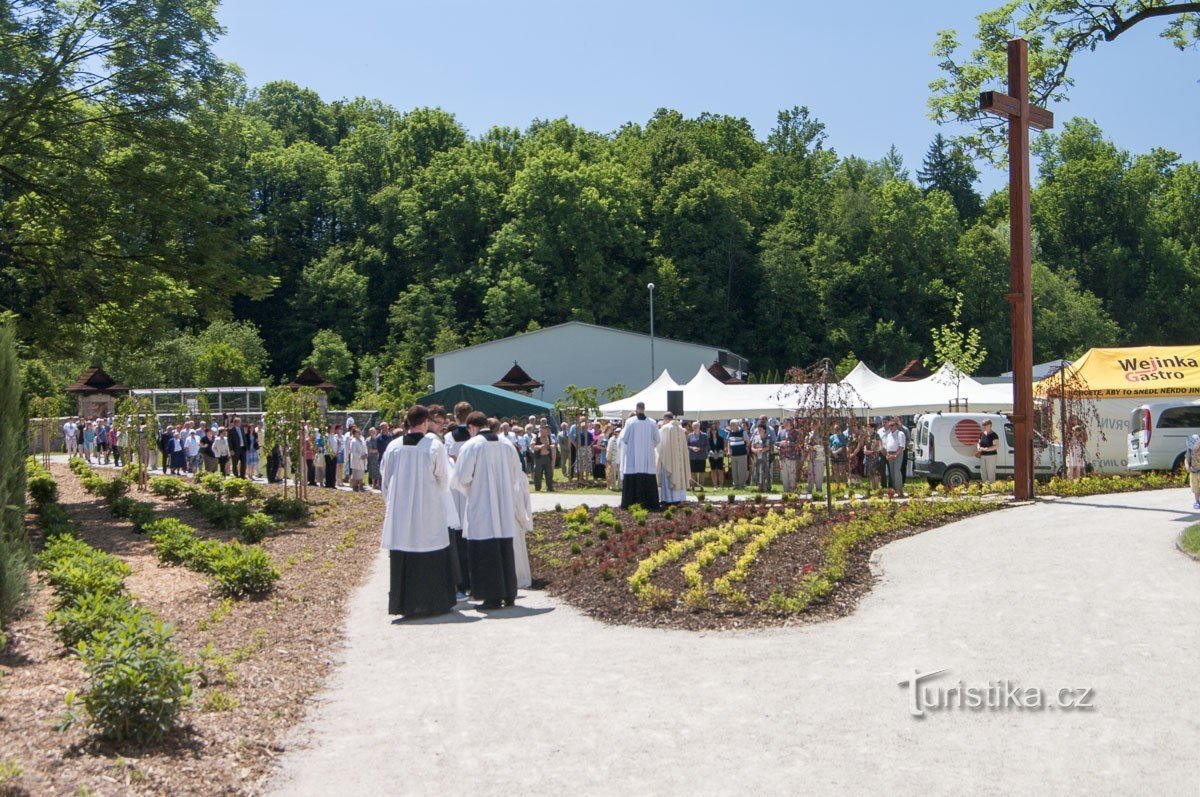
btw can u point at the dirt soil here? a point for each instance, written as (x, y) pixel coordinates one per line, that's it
(581, 579)
(268, 656)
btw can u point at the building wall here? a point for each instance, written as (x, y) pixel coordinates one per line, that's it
(583, 356)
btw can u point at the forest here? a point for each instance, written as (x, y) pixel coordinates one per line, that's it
(160, 217)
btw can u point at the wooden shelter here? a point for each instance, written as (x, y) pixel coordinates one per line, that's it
(517, 381)
(311, 377)
(98, 393)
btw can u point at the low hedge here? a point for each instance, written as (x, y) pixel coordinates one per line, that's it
(137, 683)
(286, 508)
(237, 570)
(256, 527)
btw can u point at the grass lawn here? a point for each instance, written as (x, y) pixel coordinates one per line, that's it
(1190, 539)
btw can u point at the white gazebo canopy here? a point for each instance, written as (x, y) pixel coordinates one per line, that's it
(654, 396)
(706, 398)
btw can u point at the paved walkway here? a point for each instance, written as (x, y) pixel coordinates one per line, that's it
(1088, 593)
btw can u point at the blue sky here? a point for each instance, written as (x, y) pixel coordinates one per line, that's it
(865, 76)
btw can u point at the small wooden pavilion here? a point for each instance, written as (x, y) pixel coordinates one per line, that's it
(98, 393)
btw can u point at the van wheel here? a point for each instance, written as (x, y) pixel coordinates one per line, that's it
(1178, 466)
(956, 476)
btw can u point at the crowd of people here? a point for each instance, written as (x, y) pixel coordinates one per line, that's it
(737, 454)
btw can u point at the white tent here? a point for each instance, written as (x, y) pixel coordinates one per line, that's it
(706, 398)
(654, 395)
(936, 392)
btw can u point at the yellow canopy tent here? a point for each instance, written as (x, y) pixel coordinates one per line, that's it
(1145, 371)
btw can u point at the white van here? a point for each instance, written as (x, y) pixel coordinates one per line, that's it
(1158, 433)
(944, 448)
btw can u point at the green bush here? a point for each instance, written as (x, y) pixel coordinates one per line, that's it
(137, 682)
(256, 527)
(56, 520)
(240, 570)
(219, 513)
(211, 481)
(142, 514)
(90, 614)
(113, 489)
(243, 488)
(75, 569)
(168, 486)
(122, 507)
(286, 508)
(173, 540)
(43, 489)
(133, 472)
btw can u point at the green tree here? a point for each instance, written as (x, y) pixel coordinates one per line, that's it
(14, 544)
(114, 194)
(957, 347)
(1057, 31)
(332, 358)
(947, 168)
(222, 365)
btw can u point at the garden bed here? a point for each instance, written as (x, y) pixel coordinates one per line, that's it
(259, 658)
(723, 566)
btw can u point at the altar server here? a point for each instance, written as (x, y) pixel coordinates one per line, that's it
(488, 473)
(415, 472)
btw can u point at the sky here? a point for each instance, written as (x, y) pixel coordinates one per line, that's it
(864, 74)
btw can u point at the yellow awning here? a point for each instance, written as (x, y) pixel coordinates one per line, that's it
(1148, 371)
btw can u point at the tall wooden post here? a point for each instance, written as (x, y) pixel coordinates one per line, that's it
(1021, 116)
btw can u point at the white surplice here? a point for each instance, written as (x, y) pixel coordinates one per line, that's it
(488, 473)
(415, 478)
(639, 439)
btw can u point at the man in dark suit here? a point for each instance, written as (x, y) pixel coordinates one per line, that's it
(237, 448)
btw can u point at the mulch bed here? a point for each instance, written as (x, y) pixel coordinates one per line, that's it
(579, 579)
(277, 651)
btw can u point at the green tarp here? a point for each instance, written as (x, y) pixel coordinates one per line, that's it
(491, 401)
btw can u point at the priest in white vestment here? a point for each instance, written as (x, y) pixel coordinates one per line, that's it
(639, 439)
(415, 473)
(488, 473)
(674, 469)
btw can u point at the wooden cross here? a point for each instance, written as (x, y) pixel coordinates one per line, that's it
(1021, 116)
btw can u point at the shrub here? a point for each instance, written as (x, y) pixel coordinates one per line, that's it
(243, 488)
(174, 540)
(133, 472)
(168, 486)
(89, 615)
(122, 507)
(211, 481)
(113, 489)
(255, 527)
(75, 569)
(286, 508)
(240, 570)
(142, 514)
(56, 520)
(43, 489)
(137, 683)
(219, 513)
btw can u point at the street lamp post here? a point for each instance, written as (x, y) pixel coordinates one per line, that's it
(650, 287)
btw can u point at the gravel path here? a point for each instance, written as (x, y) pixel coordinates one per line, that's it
(1089, 593)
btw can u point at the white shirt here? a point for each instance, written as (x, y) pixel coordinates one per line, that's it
(70, 429)
(220, 447)
(414, 479)
(894, 441)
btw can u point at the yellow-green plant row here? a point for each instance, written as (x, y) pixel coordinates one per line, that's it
(771, 531)
(846, 535)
